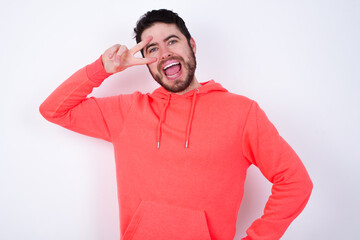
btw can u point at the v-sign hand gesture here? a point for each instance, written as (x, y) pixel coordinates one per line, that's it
(119, 57)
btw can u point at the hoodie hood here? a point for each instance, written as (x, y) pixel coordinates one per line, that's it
(206, 87)
(167, 97)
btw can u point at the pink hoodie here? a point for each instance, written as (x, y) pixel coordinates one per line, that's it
(181, 160)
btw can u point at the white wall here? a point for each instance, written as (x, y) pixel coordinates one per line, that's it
(298, 59)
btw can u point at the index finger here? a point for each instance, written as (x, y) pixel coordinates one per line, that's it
(143, 61)
(141, 45)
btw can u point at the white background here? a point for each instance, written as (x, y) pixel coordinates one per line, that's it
(298, 59)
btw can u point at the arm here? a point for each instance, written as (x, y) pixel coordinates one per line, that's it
(278, 162)
(69, 106)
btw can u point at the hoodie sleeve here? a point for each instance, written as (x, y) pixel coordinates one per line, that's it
(69, 106)
(278, 162)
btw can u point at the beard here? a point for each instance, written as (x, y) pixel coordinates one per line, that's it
(178, 85)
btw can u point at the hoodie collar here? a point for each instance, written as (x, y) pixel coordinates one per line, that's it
(206, 87)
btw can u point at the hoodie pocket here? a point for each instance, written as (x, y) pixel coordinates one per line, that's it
(154, 221)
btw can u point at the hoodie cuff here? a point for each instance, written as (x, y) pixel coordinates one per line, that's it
(96, 71)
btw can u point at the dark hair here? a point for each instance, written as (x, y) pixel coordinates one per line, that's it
(161, 15)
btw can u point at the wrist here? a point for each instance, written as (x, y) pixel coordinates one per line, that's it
(96, 71)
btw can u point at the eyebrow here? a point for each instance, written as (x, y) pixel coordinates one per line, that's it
(166, 39)
(171, 36)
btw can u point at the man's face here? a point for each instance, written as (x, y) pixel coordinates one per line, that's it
(176, 63)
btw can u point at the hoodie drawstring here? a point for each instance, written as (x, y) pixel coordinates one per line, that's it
(162, 116)
(188, 129)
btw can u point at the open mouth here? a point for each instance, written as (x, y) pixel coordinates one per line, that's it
(172, 70)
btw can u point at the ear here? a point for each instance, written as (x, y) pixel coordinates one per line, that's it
(193, 44)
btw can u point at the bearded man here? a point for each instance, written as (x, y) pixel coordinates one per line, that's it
(181, 152)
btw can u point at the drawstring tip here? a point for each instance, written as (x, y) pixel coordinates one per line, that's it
(187, 144)
(158, 145)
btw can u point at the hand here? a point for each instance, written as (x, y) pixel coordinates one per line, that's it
(119, 57)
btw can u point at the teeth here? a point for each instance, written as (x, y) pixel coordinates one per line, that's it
(170, 65)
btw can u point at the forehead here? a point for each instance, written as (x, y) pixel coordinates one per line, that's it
(161, 30)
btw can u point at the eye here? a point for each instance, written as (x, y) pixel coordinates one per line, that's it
(152, 50)
(171, 42)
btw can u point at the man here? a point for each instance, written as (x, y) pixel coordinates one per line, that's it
(182, 151)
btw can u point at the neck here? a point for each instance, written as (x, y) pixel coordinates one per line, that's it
(193, 85)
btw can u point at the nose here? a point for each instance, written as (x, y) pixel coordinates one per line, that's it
(166, 54)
